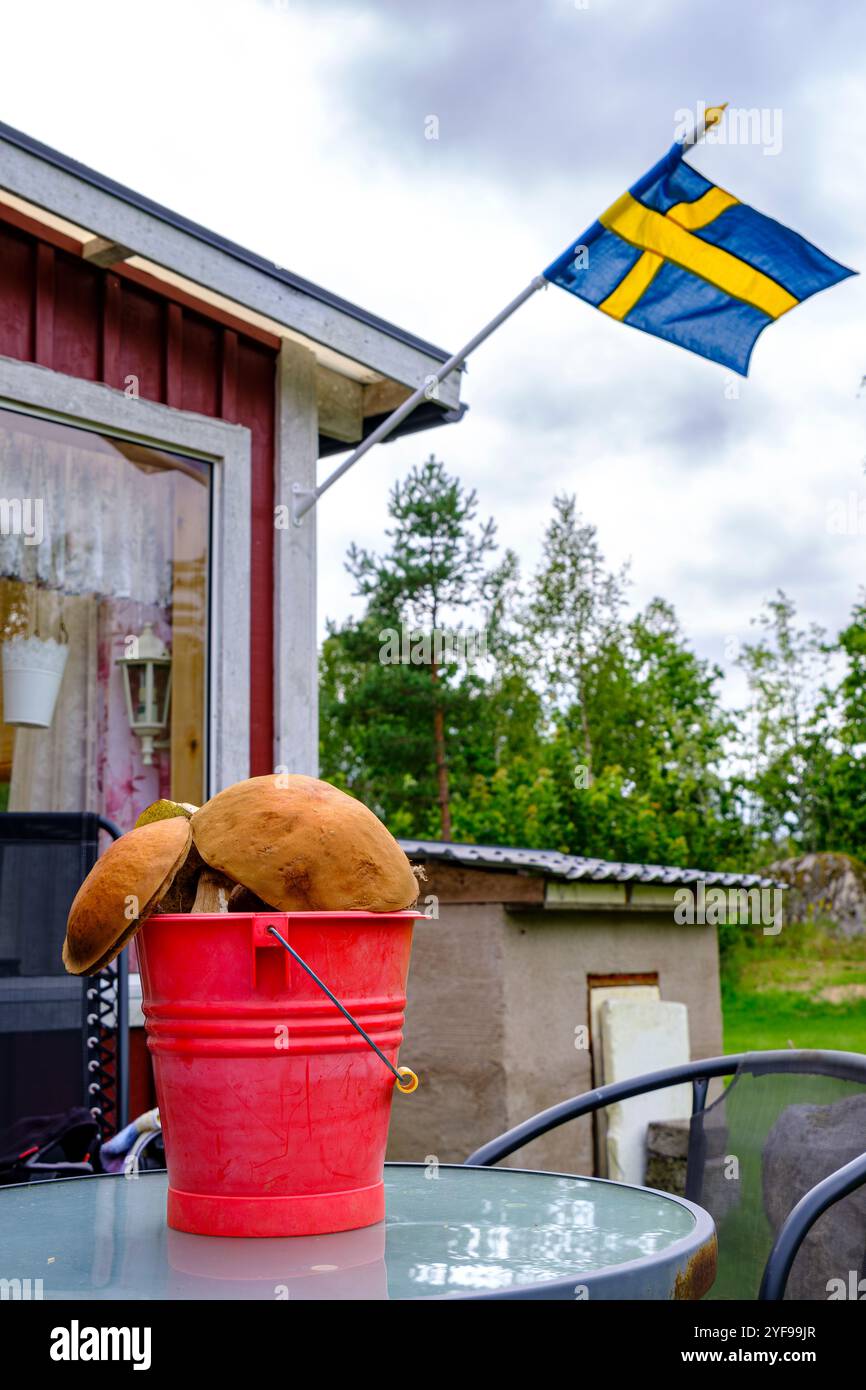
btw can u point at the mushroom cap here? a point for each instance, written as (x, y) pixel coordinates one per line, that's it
(302, 845)
(165, 810)
(123, 888)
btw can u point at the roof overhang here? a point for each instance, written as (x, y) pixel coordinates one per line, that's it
(367, 366)
(575, 869)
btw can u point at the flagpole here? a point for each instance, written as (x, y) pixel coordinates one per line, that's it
(304, 499)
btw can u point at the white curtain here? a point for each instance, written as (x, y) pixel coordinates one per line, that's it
(107, 522)
(106, 550)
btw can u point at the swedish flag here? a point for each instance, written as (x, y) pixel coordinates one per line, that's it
(683, 259)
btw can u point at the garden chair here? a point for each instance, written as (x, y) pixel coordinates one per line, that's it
(44, 857)
(778, 1160)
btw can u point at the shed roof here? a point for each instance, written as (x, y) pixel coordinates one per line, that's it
(574, 867)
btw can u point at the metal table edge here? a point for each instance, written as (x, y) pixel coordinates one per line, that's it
(701, 1241)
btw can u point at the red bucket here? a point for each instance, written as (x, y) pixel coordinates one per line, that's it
(275, 1110)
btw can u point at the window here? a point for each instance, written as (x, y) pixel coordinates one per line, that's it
(101, 540)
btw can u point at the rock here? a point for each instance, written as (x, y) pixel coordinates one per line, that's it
(667, 1148)
(807, 1144)
(668, 1138)
(667, 1164)
(827, 885)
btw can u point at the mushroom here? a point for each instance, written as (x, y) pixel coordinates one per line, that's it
(165, 810)
(301, 845)
(196, 887)
(125, 886)
(241, 899)
(212, 892)
(286, 843)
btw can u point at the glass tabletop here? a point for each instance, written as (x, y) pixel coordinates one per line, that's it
(449, 1232)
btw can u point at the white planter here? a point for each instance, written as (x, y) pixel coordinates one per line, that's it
(32, 672)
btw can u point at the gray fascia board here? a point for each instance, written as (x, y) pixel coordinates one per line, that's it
(70, 190)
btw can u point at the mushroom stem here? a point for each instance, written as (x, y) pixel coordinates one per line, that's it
(244, 900)
(212, 893)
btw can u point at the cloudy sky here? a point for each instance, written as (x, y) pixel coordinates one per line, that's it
(301, 131)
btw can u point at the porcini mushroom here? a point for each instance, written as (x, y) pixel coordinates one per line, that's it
(125, 886)
(196, 888)
(165, 810)
(300, 844)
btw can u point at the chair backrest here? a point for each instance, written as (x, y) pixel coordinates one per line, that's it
(785, 1122)
(790, 1124)
(44, 857)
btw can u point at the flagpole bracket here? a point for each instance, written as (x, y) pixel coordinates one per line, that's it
(303, 498)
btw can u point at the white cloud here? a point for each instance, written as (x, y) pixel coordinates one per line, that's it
(299, 130)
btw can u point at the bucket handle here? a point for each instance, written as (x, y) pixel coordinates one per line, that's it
(404, 1077)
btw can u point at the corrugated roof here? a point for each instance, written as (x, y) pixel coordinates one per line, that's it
(574, 867)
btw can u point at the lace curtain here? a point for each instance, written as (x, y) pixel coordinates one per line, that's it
(107, 522)
(103, 566)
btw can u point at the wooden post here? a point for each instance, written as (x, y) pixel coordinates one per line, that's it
(296, 681)
(174, 355)
(44, 313)
(189, 625)
(111, 326)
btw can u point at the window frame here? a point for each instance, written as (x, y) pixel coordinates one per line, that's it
(227, 448)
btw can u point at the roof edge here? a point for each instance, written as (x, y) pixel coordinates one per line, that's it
(577, 868)
(142, 203)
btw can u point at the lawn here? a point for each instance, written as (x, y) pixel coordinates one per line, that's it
(804, 988)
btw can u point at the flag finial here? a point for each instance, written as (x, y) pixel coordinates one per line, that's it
(713, 114)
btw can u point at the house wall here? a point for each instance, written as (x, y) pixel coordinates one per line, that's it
(61, 312)
(494, 999)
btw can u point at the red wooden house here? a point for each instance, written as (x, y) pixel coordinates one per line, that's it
(162, 391)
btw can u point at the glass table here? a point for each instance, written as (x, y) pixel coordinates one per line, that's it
(450, 1232)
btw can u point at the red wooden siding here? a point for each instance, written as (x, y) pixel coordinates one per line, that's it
(17, 263)
(77, 318)
(59, 311)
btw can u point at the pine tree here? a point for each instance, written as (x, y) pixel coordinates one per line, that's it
(436, 567)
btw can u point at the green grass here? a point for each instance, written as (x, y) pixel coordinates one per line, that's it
(757, 1024)
(773, 990)
(773, 996)
(752, 1105)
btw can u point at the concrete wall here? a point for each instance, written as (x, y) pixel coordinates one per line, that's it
(495, 998)
(454, 1037)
